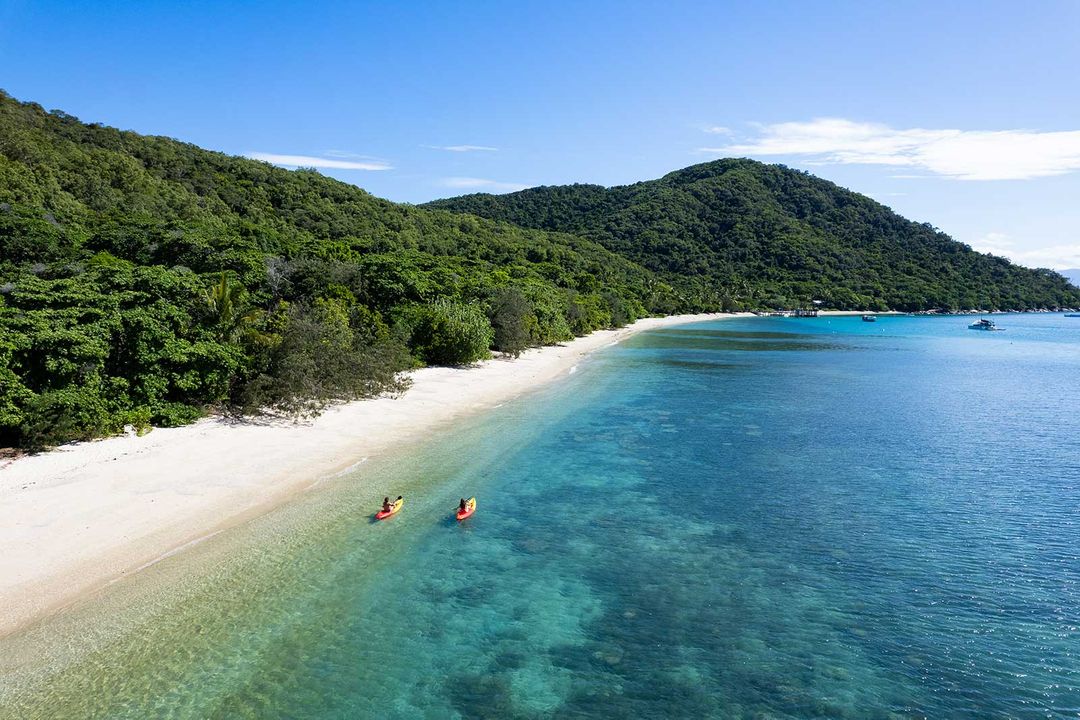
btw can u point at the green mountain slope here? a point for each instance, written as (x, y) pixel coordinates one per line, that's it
(745, 233)
(144, 280)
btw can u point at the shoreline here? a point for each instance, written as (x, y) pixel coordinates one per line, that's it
(78, 518)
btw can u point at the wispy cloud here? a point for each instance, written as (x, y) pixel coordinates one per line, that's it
(471, 183)
(955, 154)
(322, 162)
(995, 242)
(463, 148)
(1054, 256)
(719, 130)
(350, 155)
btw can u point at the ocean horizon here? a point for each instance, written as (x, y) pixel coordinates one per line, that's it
(745, 518)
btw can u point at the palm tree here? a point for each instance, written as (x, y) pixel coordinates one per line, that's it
(228, 302)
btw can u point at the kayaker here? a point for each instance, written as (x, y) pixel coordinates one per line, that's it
(386, 505)
(461, 505)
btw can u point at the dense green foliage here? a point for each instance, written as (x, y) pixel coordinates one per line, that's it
(144, 281)
(448, 332)
(739, 233)
(512, 321)
(326, 351)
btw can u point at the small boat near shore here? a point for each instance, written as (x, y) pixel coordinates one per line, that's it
(869, 318)
(984, 324)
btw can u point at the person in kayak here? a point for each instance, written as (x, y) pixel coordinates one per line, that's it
(386, 505)
(461, 505)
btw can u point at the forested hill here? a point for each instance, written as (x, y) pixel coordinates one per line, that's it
(144, 281)
(768, 235)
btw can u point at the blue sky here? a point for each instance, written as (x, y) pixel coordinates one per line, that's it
(964, 115)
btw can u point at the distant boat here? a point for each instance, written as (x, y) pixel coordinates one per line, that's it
(869, 318)
(984, 325)
(1072, 314)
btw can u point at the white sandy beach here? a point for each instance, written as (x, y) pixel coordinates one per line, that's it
(78, 517)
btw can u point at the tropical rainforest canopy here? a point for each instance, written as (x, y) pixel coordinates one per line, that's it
(145, 281)
(744, 234)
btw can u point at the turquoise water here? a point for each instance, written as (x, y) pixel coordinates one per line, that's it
(753, 518)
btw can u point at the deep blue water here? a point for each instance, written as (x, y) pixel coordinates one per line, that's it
(753, 518)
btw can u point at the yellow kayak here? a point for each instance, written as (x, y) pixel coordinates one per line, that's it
(382, 514)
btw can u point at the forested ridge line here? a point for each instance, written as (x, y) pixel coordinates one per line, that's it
(767, 235)
(145, 281)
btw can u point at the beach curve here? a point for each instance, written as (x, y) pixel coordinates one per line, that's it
(83, 516)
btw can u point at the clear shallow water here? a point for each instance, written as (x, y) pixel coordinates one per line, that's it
(749, 518)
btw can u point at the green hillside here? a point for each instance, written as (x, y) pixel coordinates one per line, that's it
(744, 233)
(144, 281)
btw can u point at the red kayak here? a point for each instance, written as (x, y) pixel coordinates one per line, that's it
(470, 508)
(383, 514)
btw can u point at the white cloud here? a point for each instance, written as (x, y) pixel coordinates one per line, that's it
(350, 155)
(321, 162)
(995, 242)
(1060, 257)
(463, 148)
(471, 183)
(719, 130)
(956, 154)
